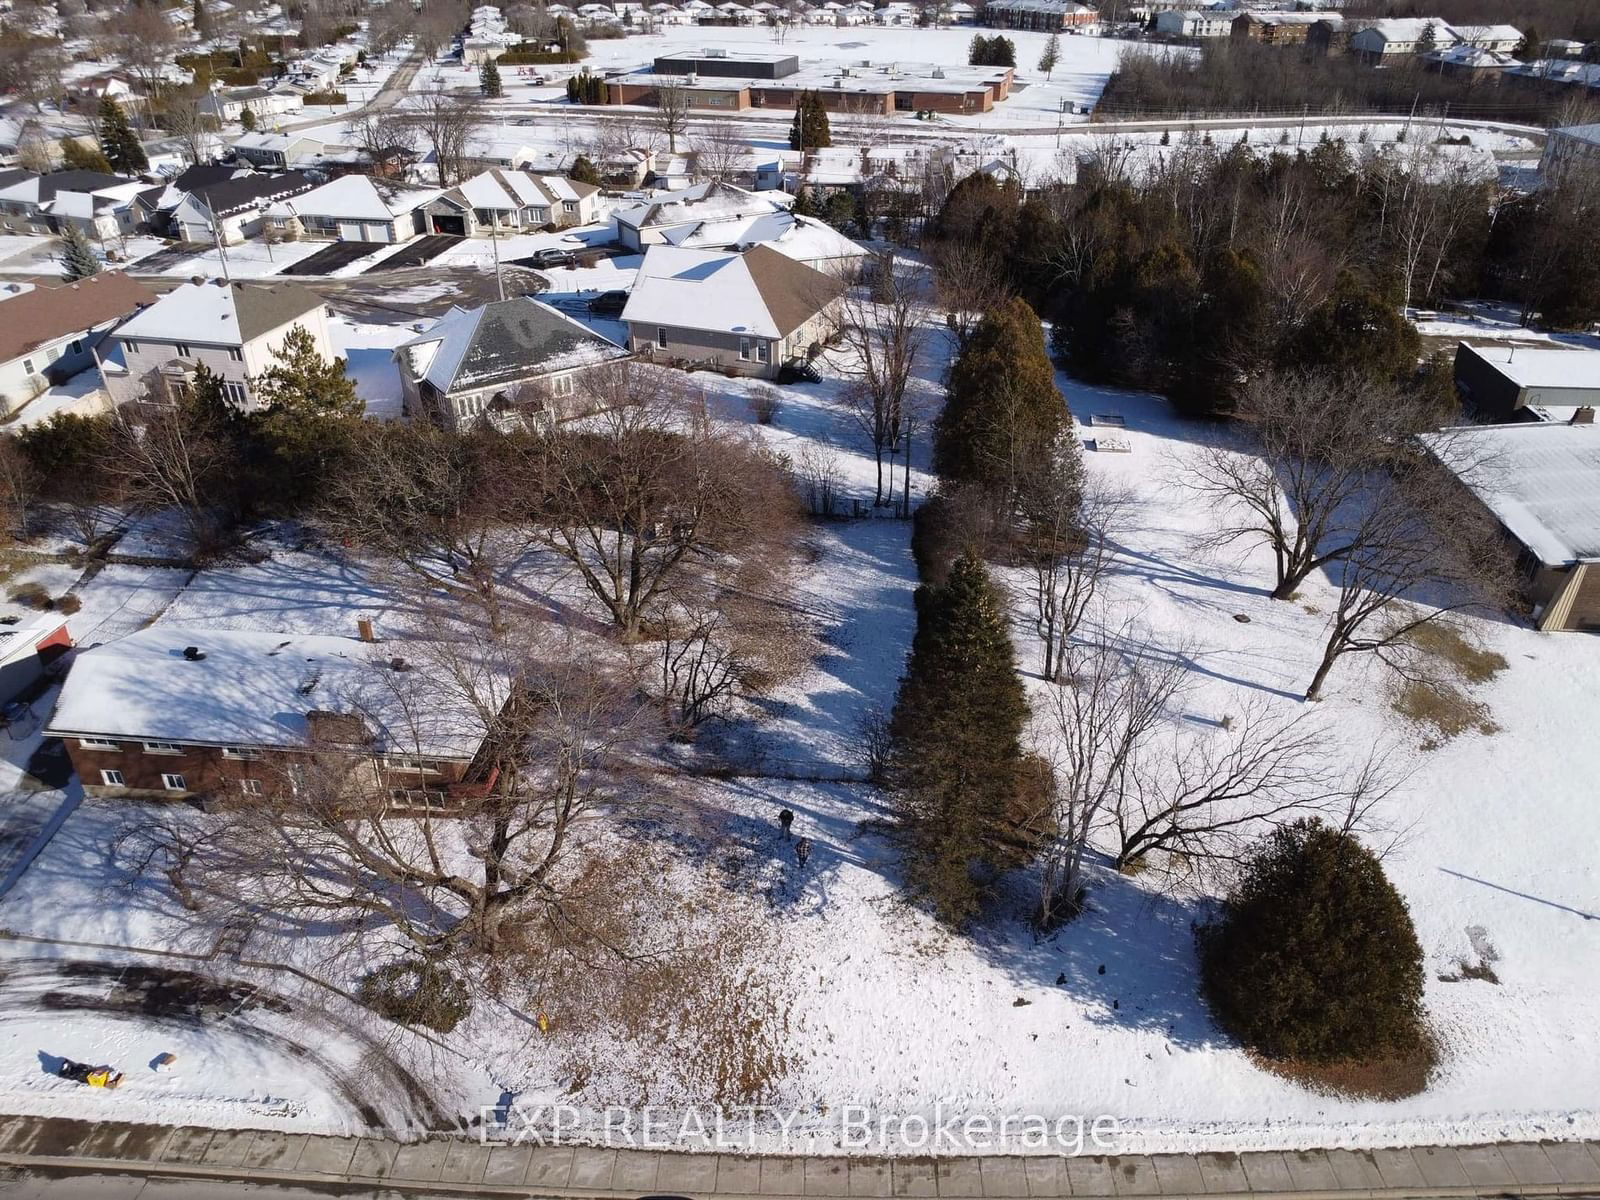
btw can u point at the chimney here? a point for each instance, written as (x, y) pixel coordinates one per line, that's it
(221, 283)
(364, 629)
(197, 280)
(1582, 415)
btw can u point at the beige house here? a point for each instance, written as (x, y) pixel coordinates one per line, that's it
(750, 311)
(235, 329)
(513, 200)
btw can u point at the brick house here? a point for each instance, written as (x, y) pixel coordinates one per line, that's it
(177, 713)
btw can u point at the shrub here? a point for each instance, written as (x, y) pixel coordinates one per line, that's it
(764, 404)
(69, 604)
(416, 991)
(1314, 957)
(324, 98)
(32, 595)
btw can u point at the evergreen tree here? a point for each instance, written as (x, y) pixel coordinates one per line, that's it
(489, 80)
(956, 732)
(584, 171)
(809, 130)
(839, 211)
(247, 120)
(1314, 956)
(75, 156)
(1002, 410)
(202, 19)
(121, 144)
(1428, 39)
(308, 419)
(1051, 55)
(804, 205)
(78, 260)
(1357, 330)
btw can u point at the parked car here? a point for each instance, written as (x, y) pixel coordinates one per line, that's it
(609, 304)
(553, 257)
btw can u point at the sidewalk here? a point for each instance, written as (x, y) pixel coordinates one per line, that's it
(470, 1169)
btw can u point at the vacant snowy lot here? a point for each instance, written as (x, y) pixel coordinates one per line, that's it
(881, 1007)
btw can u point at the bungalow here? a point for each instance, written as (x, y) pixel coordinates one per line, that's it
(235, 329)
(1378, 40)
(277, 151)
(49, 334)
(1544, 490)
(357, 208)
(654, 222)
(232, 105)
(1523, 383)
(174, 712)
(749, 312)
(513, 200)
(234, 209)
(101, 205)
(512, 363)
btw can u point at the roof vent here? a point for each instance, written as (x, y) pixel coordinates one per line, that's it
(197, 280)
(222, 283)
(193, 653)
(1583, 415)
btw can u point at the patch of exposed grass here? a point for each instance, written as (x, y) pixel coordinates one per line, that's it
(1443, 708)
(1449, 645)
(1390, 1078)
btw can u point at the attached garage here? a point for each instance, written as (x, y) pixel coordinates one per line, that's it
(350, 231)
(379, 231)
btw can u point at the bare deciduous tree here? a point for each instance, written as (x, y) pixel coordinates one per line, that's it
(721, 151)
(970, 285)
(884, 325)
(1066, 539)
(672, 114)
(447, 124)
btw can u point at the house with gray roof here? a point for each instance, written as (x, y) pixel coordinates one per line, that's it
(234, 208)
(234, 329)
(511, 363)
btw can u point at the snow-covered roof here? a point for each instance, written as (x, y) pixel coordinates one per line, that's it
(1542, 482)
(1467, 55)
(251, 689)
(1532, 367)
(1582, 133)
(1488, 33)
(361, 198)
(803, 239)
(759, 292)
(220, 313)
(713, 201)
(1410, 29)
(509, 189)
(501, 343)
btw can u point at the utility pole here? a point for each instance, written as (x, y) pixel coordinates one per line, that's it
(494, 243)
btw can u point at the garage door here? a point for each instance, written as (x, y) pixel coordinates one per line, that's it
(378, 232)
(350, 231)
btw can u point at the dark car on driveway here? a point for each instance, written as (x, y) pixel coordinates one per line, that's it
(552, 257)
(609, 304)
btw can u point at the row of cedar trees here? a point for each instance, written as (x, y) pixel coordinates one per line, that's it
(1223, 262)
(1313, 959)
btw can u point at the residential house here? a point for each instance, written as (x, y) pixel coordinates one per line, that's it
(511, 363)
(513, 200)
(174, 712)
(235, 329)
(1556, 76)
(1567, 147)
(658, 221)
(101, 205)
(1469, 62)
(232, 105)
(1379, 40)
(1501, 39)
(49, 334)
(1524, 383)
(277, 151)
(1542, 485)
(748, 312)
(1194, 23)
(234, 209)
(357, 208)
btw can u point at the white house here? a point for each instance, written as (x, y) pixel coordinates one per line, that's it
(513, 362)
(235, 329)
(1501, 39)
(231, 105)
(277, 150)
(49, 334)
(1195, 23)
(654, 222)
(357, 208)
(1380, 39)
(513, 200)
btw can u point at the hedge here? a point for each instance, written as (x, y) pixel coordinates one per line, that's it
(324, 98)
(535, 58)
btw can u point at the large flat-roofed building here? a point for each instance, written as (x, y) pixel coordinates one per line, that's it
(1526, 383)
(722, 64)
(863, 87)
(1542, 484)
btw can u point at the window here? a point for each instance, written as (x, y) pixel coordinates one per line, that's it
(27, 366)
(99, 744)
(180, 349)
(235, 393)
(174, 783)
(76, 347)
(417, 797)
(235, 354)
(744, 348)
(661, 338)
(250, 787)
(561, 385)
(570, 206)
(245, 752)
(162, 748)
(403, 762)
(111, 778)
(130, 346)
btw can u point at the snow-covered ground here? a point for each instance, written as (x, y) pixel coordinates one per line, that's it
(886, 1009)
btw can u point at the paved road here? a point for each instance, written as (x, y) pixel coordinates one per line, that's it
(394, 87)
(98, 1185)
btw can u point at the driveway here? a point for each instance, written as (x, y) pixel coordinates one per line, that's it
(424, 249)
(161, 260)
(332, 257)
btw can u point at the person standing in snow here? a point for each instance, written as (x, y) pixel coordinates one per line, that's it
(786, 819)
(802, 851)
